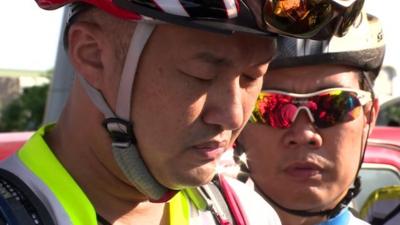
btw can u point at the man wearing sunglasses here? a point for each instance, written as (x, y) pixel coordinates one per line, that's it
(306, 138)
(162, 89)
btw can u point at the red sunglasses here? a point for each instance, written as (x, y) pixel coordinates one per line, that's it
(325, 108)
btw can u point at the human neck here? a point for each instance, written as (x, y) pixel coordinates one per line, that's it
(93, 168)
(143, 213)
(290, 219)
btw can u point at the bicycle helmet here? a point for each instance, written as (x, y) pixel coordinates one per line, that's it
(298, 18)
(363, 47)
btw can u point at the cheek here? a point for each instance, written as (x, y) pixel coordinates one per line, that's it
(170, 106)
(259, 147)
(250, 96)
(345, 149)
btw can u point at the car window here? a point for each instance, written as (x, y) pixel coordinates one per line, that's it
(373, 177)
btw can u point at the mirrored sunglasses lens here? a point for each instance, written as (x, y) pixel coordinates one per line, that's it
(335, 107)
(349, 16)
(298, 17)
(275, 110)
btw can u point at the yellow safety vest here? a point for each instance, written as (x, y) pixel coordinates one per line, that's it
(44, 168)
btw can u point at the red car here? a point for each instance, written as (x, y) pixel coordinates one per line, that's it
(12, 141)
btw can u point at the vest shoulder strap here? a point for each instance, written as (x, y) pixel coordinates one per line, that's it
(18, 204)
(216, 197)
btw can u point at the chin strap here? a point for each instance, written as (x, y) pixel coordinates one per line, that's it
(330, 213)
(124, 145)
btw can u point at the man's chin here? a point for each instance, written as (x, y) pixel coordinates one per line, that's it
(195, 177)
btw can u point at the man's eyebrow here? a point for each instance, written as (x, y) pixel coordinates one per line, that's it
(213, 59)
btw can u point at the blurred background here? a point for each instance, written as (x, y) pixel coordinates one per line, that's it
(28, 49)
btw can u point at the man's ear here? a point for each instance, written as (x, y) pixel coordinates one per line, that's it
(85, 49)
(371, 114)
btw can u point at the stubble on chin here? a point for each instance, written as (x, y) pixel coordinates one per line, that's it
(194, 177)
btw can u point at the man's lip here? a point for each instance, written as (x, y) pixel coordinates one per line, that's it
(210, 150)
(210, 145)
(303, 170)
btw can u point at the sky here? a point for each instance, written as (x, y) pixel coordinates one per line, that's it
(387, 12)
(29, 35)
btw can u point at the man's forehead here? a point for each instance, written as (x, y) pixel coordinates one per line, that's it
(214, 59)
(220, 59)
(311, 78)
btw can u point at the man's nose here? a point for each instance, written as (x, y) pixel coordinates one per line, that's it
(303, 132)
(225, 106)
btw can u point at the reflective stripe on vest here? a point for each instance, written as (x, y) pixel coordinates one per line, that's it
(41, 170)
(57, 179)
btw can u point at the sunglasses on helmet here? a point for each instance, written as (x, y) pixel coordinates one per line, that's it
(325, 108)
(316, 19)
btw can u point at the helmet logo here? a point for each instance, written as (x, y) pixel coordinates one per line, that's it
(379, 36)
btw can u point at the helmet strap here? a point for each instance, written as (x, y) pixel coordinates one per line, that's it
(330, 213)
(124, 145)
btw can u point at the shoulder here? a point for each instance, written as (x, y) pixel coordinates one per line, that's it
(345, 217)
(258, 210)
(356, 221)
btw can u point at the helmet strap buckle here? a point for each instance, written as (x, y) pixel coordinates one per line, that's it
(120, 132)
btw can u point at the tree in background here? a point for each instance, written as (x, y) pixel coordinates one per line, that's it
(25, 112)
(393, 114)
